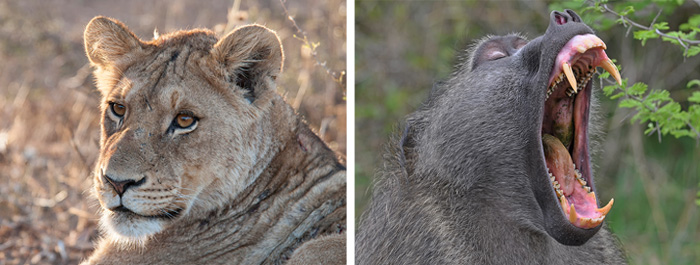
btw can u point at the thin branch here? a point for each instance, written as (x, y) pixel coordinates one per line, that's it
(697, 139)
(656, 17)
(338, 77)
(683, 42)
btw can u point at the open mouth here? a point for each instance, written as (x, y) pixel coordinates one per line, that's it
(565, 128)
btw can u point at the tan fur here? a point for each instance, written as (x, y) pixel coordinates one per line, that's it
(248, 183)
(332, 247)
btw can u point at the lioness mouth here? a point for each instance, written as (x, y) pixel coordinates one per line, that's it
(565, 128)
(165, 215)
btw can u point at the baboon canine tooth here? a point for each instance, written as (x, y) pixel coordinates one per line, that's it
(609, 66)
(569, 75)
(607, 207)
(572, 214)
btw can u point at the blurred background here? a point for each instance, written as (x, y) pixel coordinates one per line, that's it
(403, 47)
(49, 121)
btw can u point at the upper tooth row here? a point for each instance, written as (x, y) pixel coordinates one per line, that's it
(589, 43)
(571, 91)
(556, 81)
(580, 84)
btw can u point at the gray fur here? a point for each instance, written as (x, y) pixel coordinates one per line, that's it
(467, 183)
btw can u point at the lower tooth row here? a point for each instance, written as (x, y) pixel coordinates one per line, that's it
(557, 188)
(581, 181)
(579, 178)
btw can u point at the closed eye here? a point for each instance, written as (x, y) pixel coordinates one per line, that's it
(495, 55)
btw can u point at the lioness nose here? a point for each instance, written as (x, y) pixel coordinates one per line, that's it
(120, 186)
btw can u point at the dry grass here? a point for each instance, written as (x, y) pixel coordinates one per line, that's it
(49, 125)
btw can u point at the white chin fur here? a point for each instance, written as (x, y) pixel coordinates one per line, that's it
(129, 232)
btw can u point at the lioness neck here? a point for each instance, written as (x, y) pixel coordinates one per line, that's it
(299, 195)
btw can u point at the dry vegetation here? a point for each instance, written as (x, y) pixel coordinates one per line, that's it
(49, 125)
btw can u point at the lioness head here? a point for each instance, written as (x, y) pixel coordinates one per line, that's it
(188, 121)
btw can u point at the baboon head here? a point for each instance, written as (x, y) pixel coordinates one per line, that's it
(513, 123)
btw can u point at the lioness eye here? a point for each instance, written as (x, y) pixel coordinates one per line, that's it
(184, 120)
(117, 109)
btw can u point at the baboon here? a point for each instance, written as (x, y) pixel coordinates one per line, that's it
(494, 168)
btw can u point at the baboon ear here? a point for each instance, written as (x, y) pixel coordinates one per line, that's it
(249, 55)
(107, 40)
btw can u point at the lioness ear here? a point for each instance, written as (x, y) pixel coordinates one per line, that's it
(249, 55)
(106, 40)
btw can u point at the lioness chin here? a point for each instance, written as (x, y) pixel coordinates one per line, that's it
(201, 161)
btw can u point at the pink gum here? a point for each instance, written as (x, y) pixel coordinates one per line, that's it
(570, 54)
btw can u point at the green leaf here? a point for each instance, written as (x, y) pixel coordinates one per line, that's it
(618, 95)
(620, 21)
(681, 133)
(627, 11)
(671, 107)
(695, 97)
(661, 26)
(693, 50)
(644, 35)
(694, 82)
(693, 22)
(671, 40)
(675, 35)
(629, 103)
(659, 95)
(637, 89)
(608, 90)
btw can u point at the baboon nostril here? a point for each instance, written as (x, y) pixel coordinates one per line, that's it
(560, 18)
(574, 16)
(120, 186)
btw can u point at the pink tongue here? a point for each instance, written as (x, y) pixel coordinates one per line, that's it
(559, 163)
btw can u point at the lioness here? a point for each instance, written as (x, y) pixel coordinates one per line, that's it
(201, 161)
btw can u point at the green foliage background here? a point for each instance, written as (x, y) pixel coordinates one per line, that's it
(403, 47)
